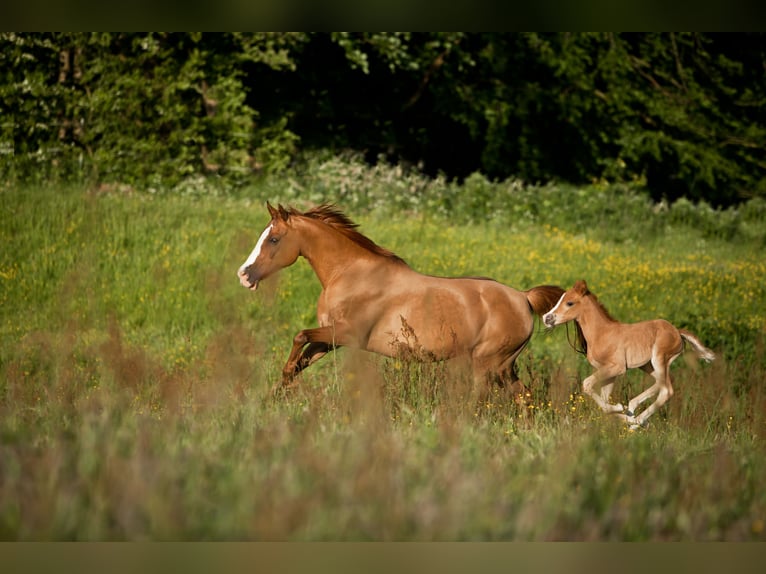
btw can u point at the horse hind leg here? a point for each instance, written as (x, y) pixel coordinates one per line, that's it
(663, 396)
(636, 401)
(664, 392)
(488, 377)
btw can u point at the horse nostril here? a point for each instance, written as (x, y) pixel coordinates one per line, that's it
(244, 277)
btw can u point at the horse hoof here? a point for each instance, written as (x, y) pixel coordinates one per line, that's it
(630, 413)
(282, 389)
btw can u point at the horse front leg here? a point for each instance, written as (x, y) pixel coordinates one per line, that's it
(591, 387)
(309, 346)
(302, 359)
(606, 391)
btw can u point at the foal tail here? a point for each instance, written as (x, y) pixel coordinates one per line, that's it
(543, 298)
(702, 351)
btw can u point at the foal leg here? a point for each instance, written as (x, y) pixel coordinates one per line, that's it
(590, 386)
(606, 391)
(646, 394)
(662, 376)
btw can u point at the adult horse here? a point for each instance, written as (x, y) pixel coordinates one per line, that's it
(372, 300)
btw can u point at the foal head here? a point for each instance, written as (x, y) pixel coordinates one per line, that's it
(276, 248)
(569, 306)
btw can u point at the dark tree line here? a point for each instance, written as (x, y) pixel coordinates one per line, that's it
(682, 113)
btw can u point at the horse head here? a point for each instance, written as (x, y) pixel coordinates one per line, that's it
(275, 249)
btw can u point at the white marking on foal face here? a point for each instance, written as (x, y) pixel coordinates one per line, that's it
(253, 256)
(556, 306)
(550, 317)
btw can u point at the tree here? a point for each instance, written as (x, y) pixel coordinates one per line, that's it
(682, 113)
(151, 108)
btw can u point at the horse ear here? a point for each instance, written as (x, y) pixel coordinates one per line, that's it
(283, 213)
(272, 210)
(581, 287)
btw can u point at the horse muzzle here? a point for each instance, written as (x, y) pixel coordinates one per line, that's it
(246, 280)
(549, 319)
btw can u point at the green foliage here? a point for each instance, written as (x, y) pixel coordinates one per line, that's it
(680, 114)
(148, 110)
(627, 209)
(678, 111)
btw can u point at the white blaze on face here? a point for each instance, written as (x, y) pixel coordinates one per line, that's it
(549, 316)
(253, 256)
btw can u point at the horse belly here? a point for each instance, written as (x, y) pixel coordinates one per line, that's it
(435, 325)
(636, 358)
(454, 317)
(646, 338)
(435, 337)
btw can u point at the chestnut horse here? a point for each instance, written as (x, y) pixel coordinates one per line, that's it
(372, 300)
(613, 347)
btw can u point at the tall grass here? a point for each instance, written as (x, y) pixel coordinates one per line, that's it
(135, 385)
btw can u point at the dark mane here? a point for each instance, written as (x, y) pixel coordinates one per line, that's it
(335, 218)
(600, 305)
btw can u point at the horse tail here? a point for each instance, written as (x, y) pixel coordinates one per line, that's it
(702, 351)
(543, 297)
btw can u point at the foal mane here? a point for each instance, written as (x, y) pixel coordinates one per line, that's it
(333, 217)
(604, 311)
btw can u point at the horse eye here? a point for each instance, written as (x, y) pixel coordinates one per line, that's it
(570, 303)
(273, 240)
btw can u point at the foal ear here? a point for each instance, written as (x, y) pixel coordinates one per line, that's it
(581, 287)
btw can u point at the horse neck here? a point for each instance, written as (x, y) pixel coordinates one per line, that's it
(593, 318)
(328, 251)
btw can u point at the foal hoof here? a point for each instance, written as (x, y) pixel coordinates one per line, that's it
(630, 413)
(636, 426)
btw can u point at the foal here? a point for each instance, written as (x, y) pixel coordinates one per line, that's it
(613, 347)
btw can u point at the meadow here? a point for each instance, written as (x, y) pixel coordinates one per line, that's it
(135, 377)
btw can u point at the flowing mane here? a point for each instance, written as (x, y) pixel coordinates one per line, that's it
(604, 311)
(335, 218)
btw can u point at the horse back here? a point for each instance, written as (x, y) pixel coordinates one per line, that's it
(445, 316)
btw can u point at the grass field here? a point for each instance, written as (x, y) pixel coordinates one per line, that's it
(135, 376)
